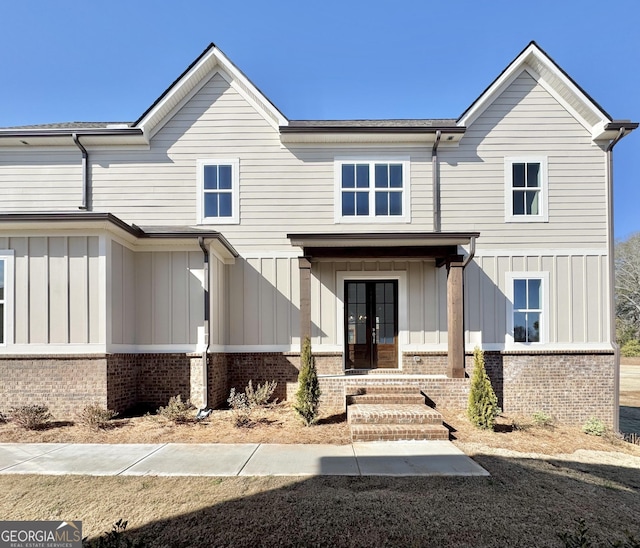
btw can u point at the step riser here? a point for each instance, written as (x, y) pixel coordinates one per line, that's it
(385, 398)
(393, 419)
(383, 389)
(399, 434)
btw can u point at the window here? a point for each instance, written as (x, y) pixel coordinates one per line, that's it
(6, 296)
(526, 190)
(527, 307)
(372, 189)
(218, 198)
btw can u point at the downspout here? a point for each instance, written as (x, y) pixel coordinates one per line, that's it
(435, 183)
(612, 278)
(205, 411)
(472, 252)
(85, 172)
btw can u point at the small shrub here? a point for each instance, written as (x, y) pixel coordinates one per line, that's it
(594, 427)
(116, 538)
(631, 349)
(308, 394)
(95, 416)
(241, 407)
(31, 417)
(482, 408)
(260, 396)
(177, 411)
(542, 419)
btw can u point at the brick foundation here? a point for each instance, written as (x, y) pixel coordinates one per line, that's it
(571, 386)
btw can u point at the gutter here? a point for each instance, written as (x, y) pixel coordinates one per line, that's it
(205, 411)
(85, 171)
(612, 277)
(435, 184)
(472, 252)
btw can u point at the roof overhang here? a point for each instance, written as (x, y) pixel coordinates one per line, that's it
(26, 138)
(135, 236)
(356, 245)
(449, 136)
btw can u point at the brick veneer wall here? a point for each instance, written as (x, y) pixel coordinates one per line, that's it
(63, 383)
(572, 386)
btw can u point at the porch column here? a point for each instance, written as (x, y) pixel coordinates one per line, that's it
(455, 319)
(304, 264)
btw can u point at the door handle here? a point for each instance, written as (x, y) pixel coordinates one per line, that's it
(373, 335)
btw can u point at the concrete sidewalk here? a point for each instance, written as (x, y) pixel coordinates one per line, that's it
(411, 458)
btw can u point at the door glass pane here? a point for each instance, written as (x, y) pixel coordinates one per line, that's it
(379, 293)
(388, 292)
(361, 334)
(361, 292)
(388, 313)
(351, 292)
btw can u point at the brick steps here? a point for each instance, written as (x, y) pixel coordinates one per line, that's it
(387, 412)
(398, 432)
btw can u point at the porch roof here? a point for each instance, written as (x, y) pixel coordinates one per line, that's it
(359, 245)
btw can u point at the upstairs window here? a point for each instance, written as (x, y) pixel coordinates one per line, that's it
(526, 190)
(369, 190)
(218, 200)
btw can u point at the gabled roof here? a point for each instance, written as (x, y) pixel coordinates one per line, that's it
(210, 61)
(536, 62)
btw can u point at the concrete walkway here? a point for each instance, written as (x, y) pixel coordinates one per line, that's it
(411, 458)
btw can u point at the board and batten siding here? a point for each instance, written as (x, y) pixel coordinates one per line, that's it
(56, 290)
(156, 297)
(40, 179)
(525, 120)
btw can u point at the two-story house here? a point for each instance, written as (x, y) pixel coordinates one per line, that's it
(191, 250)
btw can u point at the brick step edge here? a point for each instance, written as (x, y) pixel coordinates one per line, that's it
(396, 432)
(385, 398)
(382, 389)
(393, 414)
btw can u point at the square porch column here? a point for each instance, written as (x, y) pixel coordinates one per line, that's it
(304, 265)
(455, 319)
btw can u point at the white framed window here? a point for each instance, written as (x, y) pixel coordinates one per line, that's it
(218, 192)
(526, 189)
(372, 189)
(527, 307)
(6, 297)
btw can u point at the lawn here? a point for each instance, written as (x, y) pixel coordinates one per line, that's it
(542, 481)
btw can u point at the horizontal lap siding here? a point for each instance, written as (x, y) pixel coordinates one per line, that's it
(40, 180)
(526, 120)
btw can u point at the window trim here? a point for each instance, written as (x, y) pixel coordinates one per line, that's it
(543, 216)
(7, 258)
(235, 191)
(405, 161)
(545, 312)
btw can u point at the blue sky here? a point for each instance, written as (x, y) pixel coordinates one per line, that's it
(109, 60)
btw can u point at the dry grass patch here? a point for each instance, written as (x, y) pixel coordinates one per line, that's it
(273, 424)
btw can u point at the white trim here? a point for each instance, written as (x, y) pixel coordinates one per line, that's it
(544, 314)
(104, 286)
(235, 191)
(270, 254)
(154, 348)
(403, 304)
(543, 216)
(536, 252)
(405, 161)
(249, 348)
(53, 349)
(7, 258)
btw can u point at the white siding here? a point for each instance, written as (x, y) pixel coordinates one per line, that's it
(40, 180)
